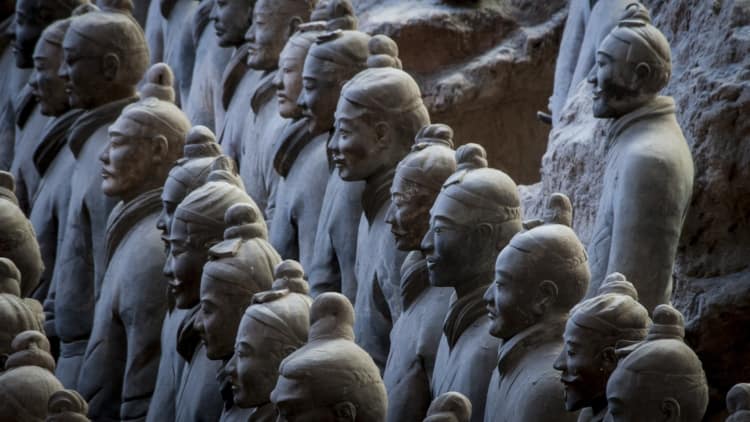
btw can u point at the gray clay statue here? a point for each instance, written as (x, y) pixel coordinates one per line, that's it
(67, 406)
(7, 82)
(330, 378)
(17, 237)
(539, 277)
(10, 278)
(378, 116)
(237, 268)
(121, 362)
(595, 327)
(52, 159)
(29, 380)
(332, 61)
(16, 316)
(190, 172)
(198, 224)
(648, 179)
(274, 326)
(105, 55)
(274, 21)
(738, 403)
(416, 334)
(473, 218)
(659, 379)
(449, 407)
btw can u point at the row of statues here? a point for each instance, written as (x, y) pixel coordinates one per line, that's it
(260, 222)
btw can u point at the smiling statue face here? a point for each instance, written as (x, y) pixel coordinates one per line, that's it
(355, 144)
(46, 85)
(231, 20)
(509, 298)
(320, 93)
(127, 161)
(219, 317)
(254, 366)
(288, 80)
(584, 369)
(447, 249)
(409, 213)
(267, 35)
(184, 266)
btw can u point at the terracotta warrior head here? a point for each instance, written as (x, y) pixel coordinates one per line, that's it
(16, 316)
(419, 177)
(475, 215)
(274, 326)
(633, 64)
(231, 20)
(330, 378)
(237, 268)
(188, 173)
(274, 21)
(198, 225)
(379, 113)
(67, 406)
(46, 84)
(32, 16)
(17, 237)
(334, 59)
(738, 403)
(105, 56)
(28, 382)
(145, 140)
(288, 79)
(595, 327)
(660, 379)
(449, 407)
(337, 14)
(542, 273)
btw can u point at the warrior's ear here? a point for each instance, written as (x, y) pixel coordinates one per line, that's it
(670, 409)
(345, 411)
(110, 66)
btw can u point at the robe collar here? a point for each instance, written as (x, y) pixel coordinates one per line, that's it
(188, 338)
(54, 138)
(414, 278)
(264, 91)
(91, 120)
(233, 74)
(660, 106)
(26, 102)
(126, 215)
(376, 194)
(465, 311)
(295, 137)
(514, 349)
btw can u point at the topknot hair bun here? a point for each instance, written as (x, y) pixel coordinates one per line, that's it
(435, 134)
(159, 81)
(383, 52)
(451, 406)
(617, 283)
(30, 348)
(471, 157)
(290, 275)
(224, 170)
(668, 324)
(636, 14)
(67, 406)
(84, 8)
(244, 221)
(200, 142)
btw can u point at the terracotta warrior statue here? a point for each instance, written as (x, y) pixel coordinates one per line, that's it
(16, 316)
(198, 224)
(7, 82)
(274, 326)
(595, 327)
(648, 178)
(188, 173)
(539, 277)
(202, 101)
(105, 55)
(121, 361)
(330, 378)
(67, 406)
(237, 268)
(416, 333)
(274, 21)
(332, 61)
(659, 379)
(52, 159)
(588, 23)
(23, 113)
(17, 238)
(378, 116)
(29, 380)
(475, 215)
(738, 403)
(449, 407)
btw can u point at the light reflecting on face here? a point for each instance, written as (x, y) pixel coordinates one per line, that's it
(231, 19)
(288, 80)
(266, 36)
(354, 145)
(126, 160)
(584, 372)
(447, 249)
(509, 298)
(615, 83)
(409, 213)
(184, 266)
(320, 93)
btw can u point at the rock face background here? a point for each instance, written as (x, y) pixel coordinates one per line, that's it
(711, 84)
(485, 67)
